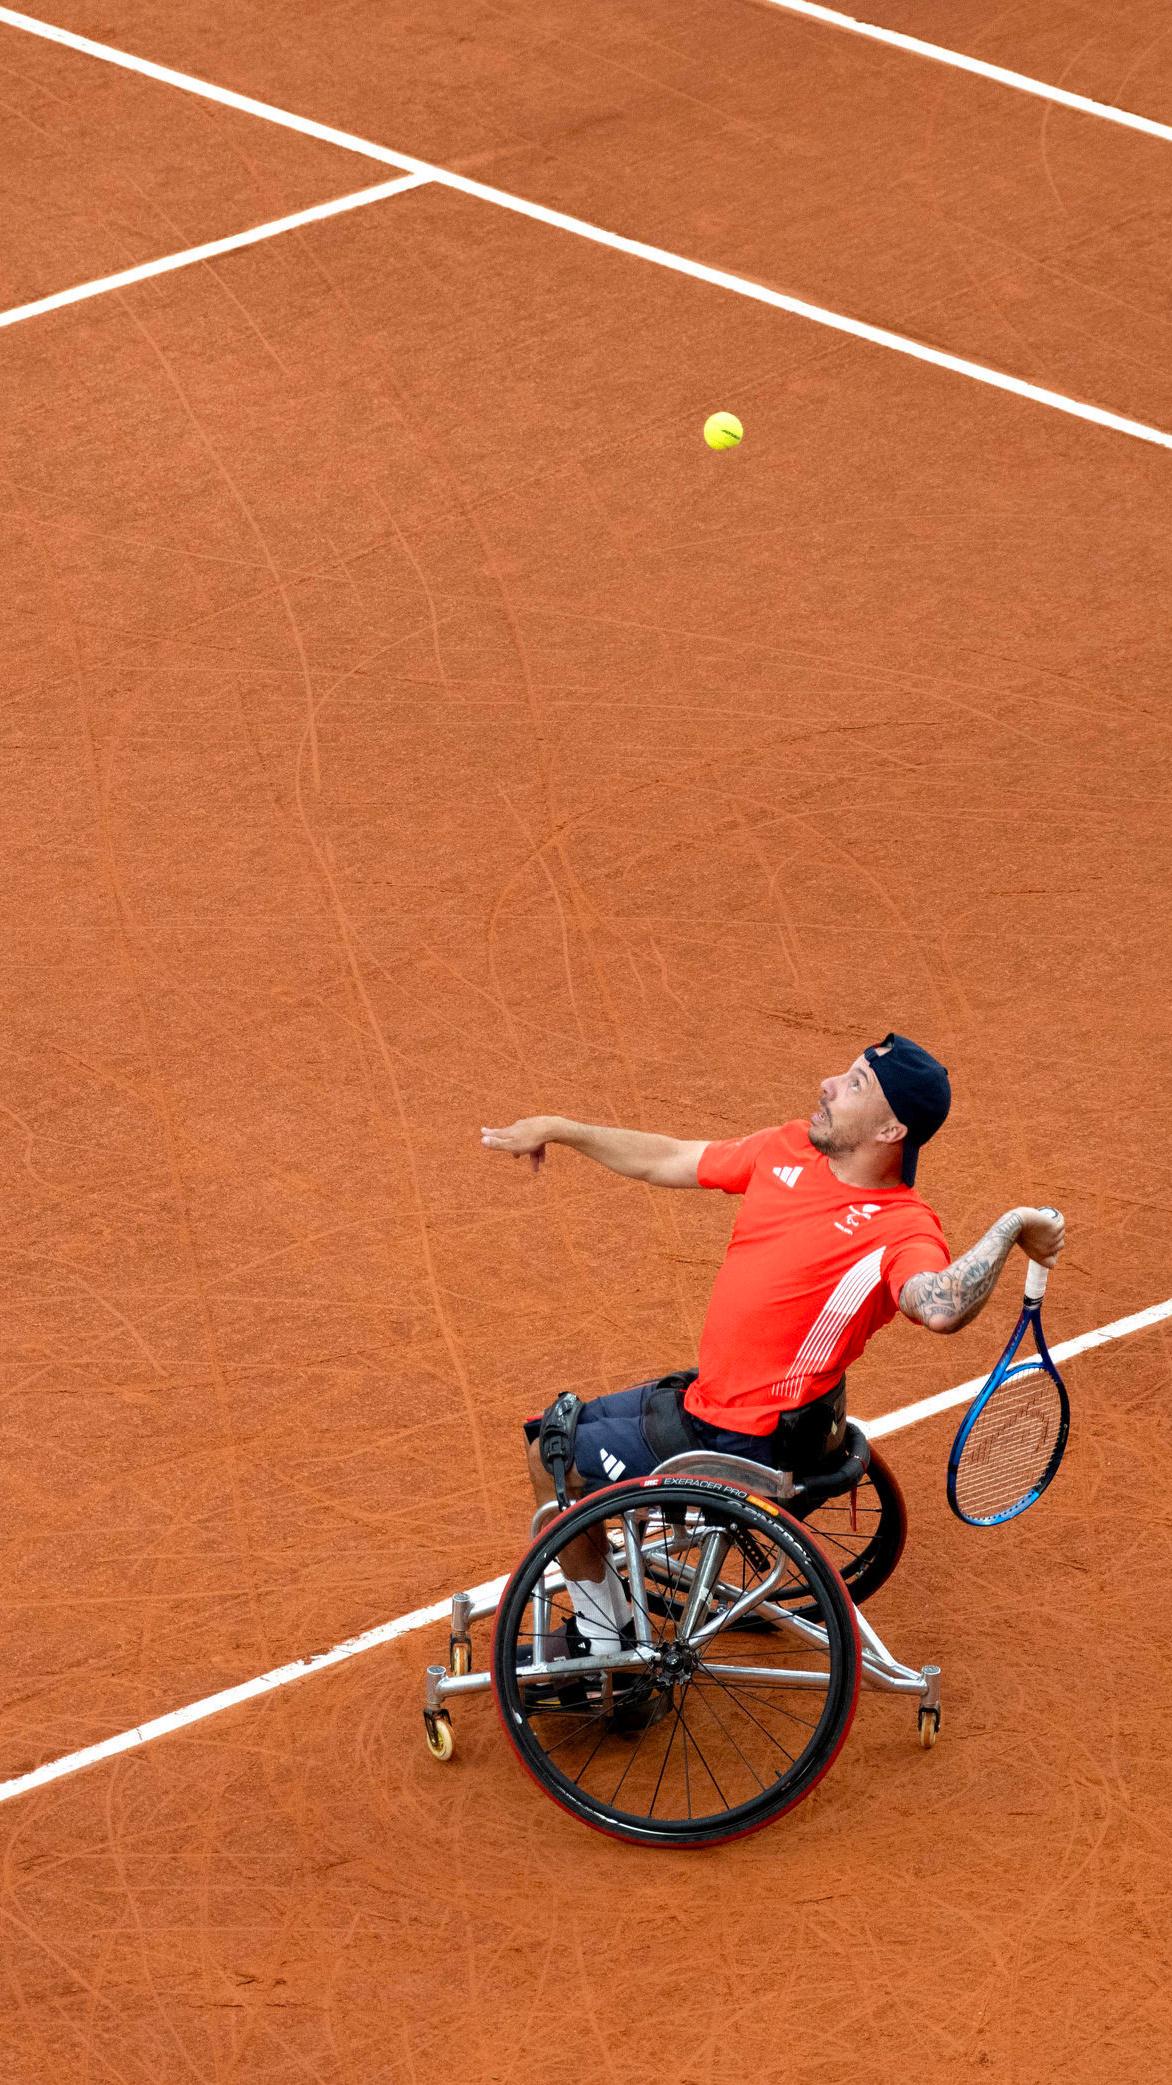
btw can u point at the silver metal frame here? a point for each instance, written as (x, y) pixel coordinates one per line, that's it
(881, 1672)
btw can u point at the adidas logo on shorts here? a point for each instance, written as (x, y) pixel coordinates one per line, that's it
(611, 1464)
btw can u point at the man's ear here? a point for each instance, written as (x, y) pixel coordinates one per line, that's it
(892, 1132)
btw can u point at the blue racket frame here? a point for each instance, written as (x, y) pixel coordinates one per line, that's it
(1005, 1371)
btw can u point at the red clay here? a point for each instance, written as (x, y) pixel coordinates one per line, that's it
(410, 723)
(982, 220)
(104, 170)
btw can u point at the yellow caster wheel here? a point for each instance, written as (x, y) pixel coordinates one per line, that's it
(441, 1739)
(929, 1720)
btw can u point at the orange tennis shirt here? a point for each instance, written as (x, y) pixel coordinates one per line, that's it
(813, 1268)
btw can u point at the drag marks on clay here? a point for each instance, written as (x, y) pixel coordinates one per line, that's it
(268, 1881)
(658, 257)
(616, 799)
(445, 1324)
(999, 75)
(1038, 1529)
(556, 843)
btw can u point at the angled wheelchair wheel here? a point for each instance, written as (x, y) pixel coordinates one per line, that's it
(863, 1533)
(692, 1732)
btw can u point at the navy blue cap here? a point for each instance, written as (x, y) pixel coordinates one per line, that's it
(916, 1089)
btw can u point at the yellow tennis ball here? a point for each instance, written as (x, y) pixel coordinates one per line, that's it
(722, 430)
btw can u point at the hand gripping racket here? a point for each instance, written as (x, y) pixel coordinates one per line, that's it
(1013, 1436)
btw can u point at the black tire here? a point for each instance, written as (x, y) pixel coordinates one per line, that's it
(863, 1536)
(684, 1744)
(864, 1539)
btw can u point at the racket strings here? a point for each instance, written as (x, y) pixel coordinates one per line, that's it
(1010, 1448)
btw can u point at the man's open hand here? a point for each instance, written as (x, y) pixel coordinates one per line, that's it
(525, 1139)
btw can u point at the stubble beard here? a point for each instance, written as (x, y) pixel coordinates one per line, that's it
(828, 1140)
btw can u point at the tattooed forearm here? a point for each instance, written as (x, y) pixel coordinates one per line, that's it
(946, 1301)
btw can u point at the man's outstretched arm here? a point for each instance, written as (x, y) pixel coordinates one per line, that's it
(664, 1161)
(955, 1296)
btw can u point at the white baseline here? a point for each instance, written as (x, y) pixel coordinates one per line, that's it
(1000, 75)
(637, 249)
(357, 200)
(946, 1400)
(439, 1611)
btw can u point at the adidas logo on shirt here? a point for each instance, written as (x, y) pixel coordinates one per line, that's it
(788, 1175)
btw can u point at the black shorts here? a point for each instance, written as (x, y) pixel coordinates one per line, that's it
(612, 1437)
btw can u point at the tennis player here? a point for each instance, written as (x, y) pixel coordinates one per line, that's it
(830, 1240)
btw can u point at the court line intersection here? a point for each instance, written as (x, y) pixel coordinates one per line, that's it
(638, 249)
(357, 200)
(419, 172)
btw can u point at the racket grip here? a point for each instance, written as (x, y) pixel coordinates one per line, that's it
(1037, 1277)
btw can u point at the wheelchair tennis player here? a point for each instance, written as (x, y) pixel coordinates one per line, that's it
(831, 1239)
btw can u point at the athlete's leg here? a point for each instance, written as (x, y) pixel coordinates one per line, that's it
(609, 1443)
(582, 1558)
(590, 1580)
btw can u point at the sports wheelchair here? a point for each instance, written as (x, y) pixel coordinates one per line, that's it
(737, 1678)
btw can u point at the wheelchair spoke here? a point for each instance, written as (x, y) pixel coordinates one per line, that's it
(763, 1697)
(721, 1726)
(634, 1755)
(587, 1723)
(747, 1712)
(587, 1763)
(677, 1726)
(687, 1776)
(680, 1745)
(689, 1737)
(848, 1541)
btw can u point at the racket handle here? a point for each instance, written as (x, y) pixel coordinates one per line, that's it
(1037, 1277)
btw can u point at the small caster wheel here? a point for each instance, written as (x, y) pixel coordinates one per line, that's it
(459, 1654)
(929, 1721)
(441, 1739)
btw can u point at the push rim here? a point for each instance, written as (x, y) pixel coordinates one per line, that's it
(703, 1733)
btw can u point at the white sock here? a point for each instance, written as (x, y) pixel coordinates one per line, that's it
(592, 1606)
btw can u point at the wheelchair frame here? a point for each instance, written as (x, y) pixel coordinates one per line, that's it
(880, 1671)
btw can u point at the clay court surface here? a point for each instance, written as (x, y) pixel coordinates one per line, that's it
(408, 724)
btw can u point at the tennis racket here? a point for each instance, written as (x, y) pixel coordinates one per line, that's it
(1013, 1436)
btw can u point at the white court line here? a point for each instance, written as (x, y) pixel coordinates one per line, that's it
(929, 1407)
(999, 74)
(231, 1697)
(98, 287)
(658, 256)
(421, 170)
(423, 1617)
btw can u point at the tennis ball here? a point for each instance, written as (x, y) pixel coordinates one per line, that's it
(722, 430)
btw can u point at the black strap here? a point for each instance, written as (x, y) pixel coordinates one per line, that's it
(559, 1424)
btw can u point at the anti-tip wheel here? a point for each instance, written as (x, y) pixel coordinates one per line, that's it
(441, 1738)
(929, 1721)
